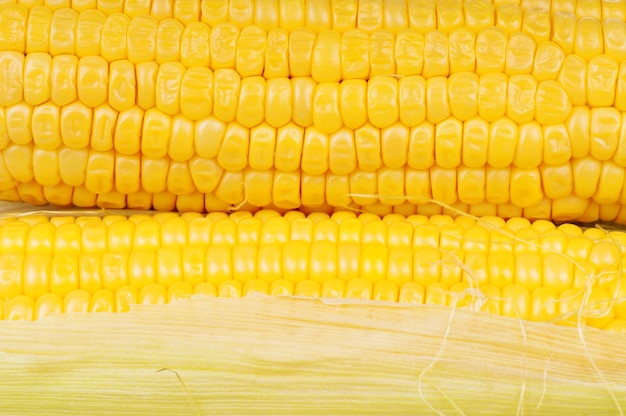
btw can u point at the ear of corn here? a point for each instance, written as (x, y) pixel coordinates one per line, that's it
(503, 109)
(529, 271)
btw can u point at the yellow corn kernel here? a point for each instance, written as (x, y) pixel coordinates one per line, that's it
(548, 61)
(503, 137)
(102, 301)
(155, 133)
(76, 122)
(620, 104)
(475, 141)
(529, 150)
(37, 29)
(611, 181)
(152, 294)
(557, 181)
(317, 15)
(179, 179)
(589, 40)
(525, 187)
(326, 57)
(46, 126)
(99, 172)
(449, 15)
(146, 75)
(187, 11)
(344, 14)
(168, 42)
(14, 157)
(552, 105)
(443, 185)
(315, 152)
(136, 7)
(492, 96)
(573, 78)
(437, 101)
(77, 301)
(19, 121)
(277, 53)
(142, 39)
(122, 85)
(92, 79)
(381, 61)
(448, 142)
(613, 33)
(48, 304)
(303, 90)
(479, 14)
(302, 44)
(422, 15)
(326, 112)
(251, 102)
(13, 21)
(250, 52)
(590, 8)
(516, 301)
(408, 52)
(89, 28)
(556, 145)
(12, 77)
(37, 78)
(537, 23)
(63, 32)
(491, 46)
(382, 100)
(167, 88)
(520, 54)
(521, 98)
(113, 44)
(599, 308)
(605, 125)
(463, 95)
(223, 45)
(46, 167)
(355, 58)
(509, 17)
(564, 27)
(436, 57)
(4, 135)
(471, 185)
(602, 71)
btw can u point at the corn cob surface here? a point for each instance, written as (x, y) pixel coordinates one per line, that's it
(508, 110)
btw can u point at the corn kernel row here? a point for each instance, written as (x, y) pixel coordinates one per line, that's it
(341, 15)
(530, 271)
(75, 131)
(327, 56)
(583, 189)
(197, 92)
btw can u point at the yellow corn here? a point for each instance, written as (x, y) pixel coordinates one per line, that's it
(493, 109)
(417, 107)
(533, 271)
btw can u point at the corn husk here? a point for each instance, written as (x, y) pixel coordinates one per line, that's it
(265, 355)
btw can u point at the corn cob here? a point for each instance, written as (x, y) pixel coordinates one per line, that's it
(131, 102)
(533, 271)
